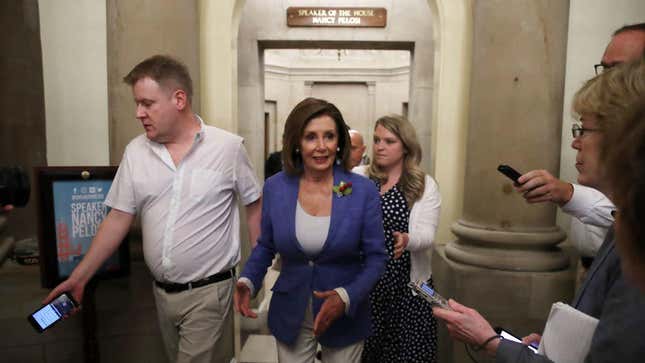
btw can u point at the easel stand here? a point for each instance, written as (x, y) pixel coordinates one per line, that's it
(88, 312)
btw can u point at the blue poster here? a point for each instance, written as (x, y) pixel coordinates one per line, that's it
(78, 211)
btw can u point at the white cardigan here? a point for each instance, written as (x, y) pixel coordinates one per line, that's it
(422, 227)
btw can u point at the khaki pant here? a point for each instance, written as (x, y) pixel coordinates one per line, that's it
(192, 322)
(304, 349)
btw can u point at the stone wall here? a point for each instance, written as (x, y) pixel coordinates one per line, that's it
(137, 30)
(22, 125)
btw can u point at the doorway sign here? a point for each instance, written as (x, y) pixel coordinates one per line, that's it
(336, 17)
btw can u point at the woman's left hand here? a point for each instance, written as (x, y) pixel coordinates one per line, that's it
(401, 240)
(332, 308)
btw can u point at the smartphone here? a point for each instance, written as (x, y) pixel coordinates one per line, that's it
(429, 294)
(50, 314)
(505, 334)
(509, 172)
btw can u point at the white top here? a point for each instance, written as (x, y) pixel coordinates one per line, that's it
(311, 231)
(590, 206)
(189, 213)
(592, 212)
(422, 227)
(586, 238)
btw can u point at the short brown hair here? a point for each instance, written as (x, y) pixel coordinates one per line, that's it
(305, 111)
(169, 72)
(639, 27)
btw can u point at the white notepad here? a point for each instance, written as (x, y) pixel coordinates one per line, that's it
(567, 334)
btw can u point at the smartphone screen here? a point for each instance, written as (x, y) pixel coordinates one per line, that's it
(428, 289)
(508, 336)
(49, 314)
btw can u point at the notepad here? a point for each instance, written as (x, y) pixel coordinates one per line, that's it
(567, 334)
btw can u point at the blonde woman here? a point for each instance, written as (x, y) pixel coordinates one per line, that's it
(404, 328)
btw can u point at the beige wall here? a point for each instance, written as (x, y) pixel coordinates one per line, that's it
(22, 125)
(137, 30)
(218, 29)
(591, 23)
(364, 84)
(263, 23)
(453, 48)
(75, 79)
(452, 33)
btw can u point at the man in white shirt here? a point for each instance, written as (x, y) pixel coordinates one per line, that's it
(183, 178)
(588, 205)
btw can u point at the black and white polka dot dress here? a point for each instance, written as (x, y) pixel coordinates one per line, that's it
(404, 329)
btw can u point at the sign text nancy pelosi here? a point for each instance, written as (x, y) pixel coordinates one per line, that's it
(337, 17)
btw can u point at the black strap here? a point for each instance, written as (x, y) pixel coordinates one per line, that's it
(485, 343)
(171, 287)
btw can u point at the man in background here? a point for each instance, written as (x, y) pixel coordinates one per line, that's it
(357, 150)
(591, 208)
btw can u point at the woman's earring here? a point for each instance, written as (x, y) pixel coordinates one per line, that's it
(337, 148)
(297, 151)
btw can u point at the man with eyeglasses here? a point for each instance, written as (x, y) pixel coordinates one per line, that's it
(591, 208)
(627, 44)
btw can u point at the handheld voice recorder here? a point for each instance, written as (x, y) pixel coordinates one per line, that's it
(428, 293)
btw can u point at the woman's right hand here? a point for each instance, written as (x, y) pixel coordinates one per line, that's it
(241, 300)
(401, 240)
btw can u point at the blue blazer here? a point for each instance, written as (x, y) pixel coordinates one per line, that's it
(353, 257)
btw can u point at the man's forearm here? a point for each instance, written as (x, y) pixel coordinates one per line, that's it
(110, 233)
(590, 206)
(253, 218)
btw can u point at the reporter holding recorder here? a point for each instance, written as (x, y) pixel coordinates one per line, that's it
(602, 103)
(590, 207)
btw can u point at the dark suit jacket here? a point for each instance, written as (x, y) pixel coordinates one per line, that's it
(619, 306)
(273, 165)
(352, 257)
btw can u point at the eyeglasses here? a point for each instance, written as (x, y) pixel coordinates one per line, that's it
(599, 68)
(577, 130)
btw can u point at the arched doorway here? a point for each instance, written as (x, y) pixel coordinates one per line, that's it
(262, 27)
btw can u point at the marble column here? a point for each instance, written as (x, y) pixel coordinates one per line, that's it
(505, 261)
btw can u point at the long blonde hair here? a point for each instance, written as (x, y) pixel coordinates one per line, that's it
(413, 179)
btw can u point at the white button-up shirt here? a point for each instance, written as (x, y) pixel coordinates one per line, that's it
(592, 212)
(189, 213)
